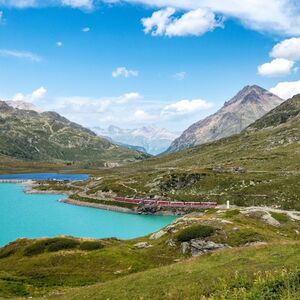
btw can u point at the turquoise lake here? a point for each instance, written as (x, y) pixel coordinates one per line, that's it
(33, 216)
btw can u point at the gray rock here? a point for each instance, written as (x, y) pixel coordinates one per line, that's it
(157, 235)
(142, 245)
(171, 243)
(185, 247)
(199, 247)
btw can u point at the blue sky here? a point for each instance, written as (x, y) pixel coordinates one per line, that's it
(133, 64)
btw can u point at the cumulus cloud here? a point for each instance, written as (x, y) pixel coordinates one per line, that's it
(93, 105)
(180, 76)
(141, 115)
(20, 54)
(277, 67)
(128, 97)
(275, 16)
(285, 53)
(59, 44)
(91, 111)
(183, 107)
(35, 96)
(195, 22)
(288, 49)
(1, 17)
(124, 72)
(86, 29)
(286, 90)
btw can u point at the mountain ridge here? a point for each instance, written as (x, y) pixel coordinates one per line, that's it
(48, 136)
(248, 105)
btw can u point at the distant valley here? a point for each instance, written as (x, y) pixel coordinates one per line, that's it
(152, 139)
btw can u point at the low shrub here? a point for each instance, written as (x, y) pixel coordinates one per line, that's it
(52, 245)
(36, 248)
(7, 251)
(282, 218)
(90, 245)
(62, 244)
(196, 231)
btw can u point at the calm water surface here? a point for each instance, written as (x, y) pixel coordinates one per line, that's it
(32, 216)
(45, 176)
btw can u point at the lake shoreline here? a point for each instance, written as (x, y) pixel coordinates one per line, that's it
(46, 216)
(29, 188)
(117, 208)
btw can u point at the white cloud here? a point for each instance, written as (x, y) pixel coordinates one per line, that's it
(195, 22)
(286, 90)
(78, 3)
(92, 105)
(157, 23)
(19, 3)
(186, 107)
(20, 54)
(59, 44)
(275, 16)
(86, 29)
(180, 75)
(288, 49)
(1, 17)
(128, 97)
(85, 4)
(35, 96)
(277, 67)
(124, 72)
(141, 115)
(97, 111)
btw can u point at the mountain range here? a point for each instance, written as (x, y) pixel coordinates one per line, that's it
(47, 136)
(152, 139)
(250, 104)
(254, 167)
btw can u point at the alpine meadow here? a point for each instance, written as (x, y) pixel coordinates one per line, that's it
(150, 149)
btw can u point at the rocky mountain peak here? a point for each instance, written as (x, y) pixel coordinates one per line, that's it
(23, 105)
(248, 93)
(248, 105)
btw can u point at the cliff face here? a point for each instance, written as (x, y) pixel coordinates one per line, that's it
(250, 104)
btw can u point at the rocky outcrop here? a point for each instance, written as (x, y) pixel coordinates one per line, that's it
(142, 245)
(262, 214)
(250, 104)
(198, 247)
(157, 235)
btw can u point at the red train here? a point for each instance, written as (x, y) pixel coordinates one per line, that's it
(166, 203)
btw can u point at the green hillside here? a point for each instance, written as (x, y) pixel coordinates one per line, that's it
(248, 273)
(252, 168)
(239, 246)
(47, 136)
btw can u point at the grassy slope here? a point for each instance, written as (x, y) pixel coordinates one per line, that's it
(269, 158)
(48, 136)
(49, 272)
(248, 273)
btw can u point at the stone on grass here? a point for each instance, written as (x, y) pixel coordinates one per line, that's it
(142, 245)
